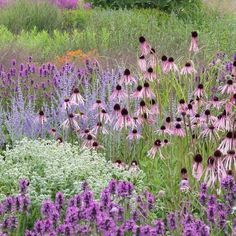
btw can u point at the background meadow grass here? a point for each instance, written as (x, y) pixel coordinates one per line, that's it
(55, 32)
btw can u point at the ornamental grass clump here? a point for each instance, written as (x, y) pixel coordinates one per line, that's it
(53, 166)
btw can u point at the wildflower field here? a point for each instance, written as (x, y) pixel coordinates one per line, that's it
(117, 118)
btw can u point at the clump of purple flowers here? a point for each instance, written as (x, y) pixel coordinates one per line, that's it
(119, 211)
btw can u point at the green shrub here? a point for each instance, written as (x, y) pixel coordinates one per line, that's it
(75, 19)
(115, 33)
(166, 5)
(27, 14)
(51, 167)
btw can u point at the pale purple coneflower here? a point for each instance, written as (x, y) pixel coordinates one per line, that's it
(150, 75)
(146, 91)
(134, 167)
(188, 69)
(230, 160)
(208, 118)
(210, 132)
(144, 46)
(164, 61)
(199, 92)
(147, 118)
(134, 135)
(155, 148)
(88, 142)
(153, 58)
(138, 93)
(126, 78)
(227, 143)
(190, 111)
(66, 104)
(53, 132)
(182, 106)
(164, 130)
(168, 123)
(137, 121)
(70, 122)
(178, 131)
(216, 103)
(142, 63)
(95, 146)
(98, 105)
(82, 116)
(99, 128)
(219, 167)
(194, 42)
(76, 97)
(41, 118)
(228, 88)
(124, 120)
(210, 177)
(165, 143)
(197, 168)
(154, 107)
(116, 112)
(84, 133)
(184, 173)
(170, 66)
(120, 165)
(223, 122)
(234, 69)
(142, 109)
(229, 106)
(118, 94)
(196, 121)
(103, 116)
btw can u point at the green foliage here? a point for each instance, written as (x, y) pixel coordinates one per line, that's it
(75, 19)
(51, 167)
(27, 14)
(115, 33)
(166, 5)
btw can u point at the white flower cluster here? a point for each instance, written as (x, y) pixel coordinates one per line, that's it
(51, 167)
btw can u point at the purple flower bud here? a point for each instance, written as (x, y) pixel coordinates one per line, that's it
(171, 221)
(47, 208)
(59, 201)
(160, 227)
(23, 185)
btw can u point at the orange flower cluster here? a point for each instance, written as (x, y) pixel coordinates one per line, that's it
(77, 56)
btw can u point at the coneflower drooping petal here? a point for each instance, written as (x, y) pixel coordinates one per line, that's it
(76, 97)
(197, 169)
(194, 42)
(144, 46)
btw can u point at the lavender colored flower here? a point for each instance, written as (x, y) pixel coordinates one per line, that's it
(23, 185)
(59, 200)
(171, 221)
(211, 213)
(10, 223)
(72, 214)
(47, 208)
(160, 227)
(106, 225)
(222, 218)
(124, 189)
(9, 204)
(227, 183)
(39, 227)
(84, 230)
